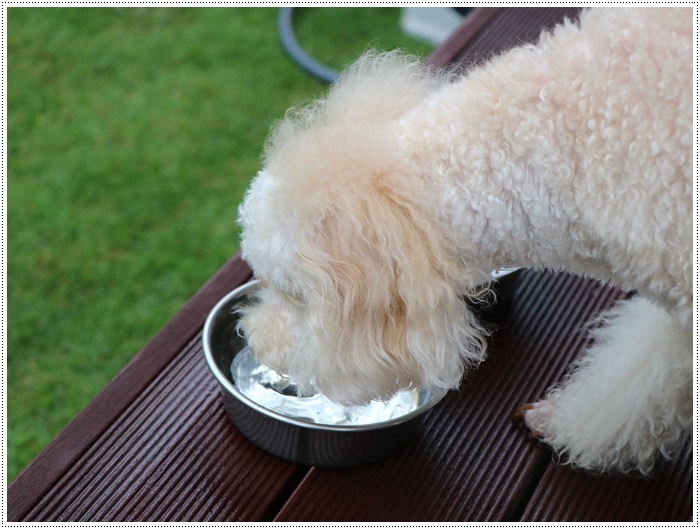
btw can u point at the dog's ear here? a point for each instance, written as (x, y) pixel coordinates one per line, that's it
(385, 296)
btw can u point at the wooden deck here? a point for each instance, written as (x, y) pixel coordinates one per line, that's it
(156, 445)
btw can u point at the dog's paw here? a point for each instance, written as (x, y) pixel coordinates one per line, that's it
(534, 416)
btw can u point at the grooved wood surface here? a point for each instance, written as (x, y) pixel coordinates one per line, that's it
(490, 30)
(156, 445)
(566, 496)
(79, 435)
(173, 455)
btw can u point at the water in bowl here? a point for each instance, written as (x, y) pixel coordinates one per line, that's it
(267, 388)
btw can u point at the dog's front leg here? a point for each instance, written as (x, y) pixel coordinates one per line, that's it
(629, 398)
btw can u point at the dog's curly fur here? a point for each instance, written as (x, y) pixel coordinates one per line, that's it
(384, 205)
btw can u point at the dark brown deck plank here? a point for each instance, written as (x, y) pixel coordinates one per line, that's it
(163, 406)
(476, 21)
(567, 496)
(173, 455)
(487, 31)
(471, 462)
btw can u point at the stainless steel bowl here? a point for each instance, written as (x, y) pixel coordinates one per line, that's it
(293, 439)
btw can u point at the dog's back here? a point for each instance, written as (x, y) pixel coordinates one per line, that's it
(637, 143)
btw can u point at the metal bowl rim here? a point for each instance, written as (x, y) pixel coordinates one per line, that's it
(240, 291)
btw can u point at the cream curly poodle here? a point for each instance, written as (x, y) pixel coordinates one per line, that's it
(384, 205)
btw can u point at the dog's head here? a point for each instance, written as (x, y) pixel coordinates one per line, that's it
(362, 287)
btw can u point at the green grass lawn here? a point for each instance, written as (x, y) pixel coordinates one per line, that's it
(132, 135)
